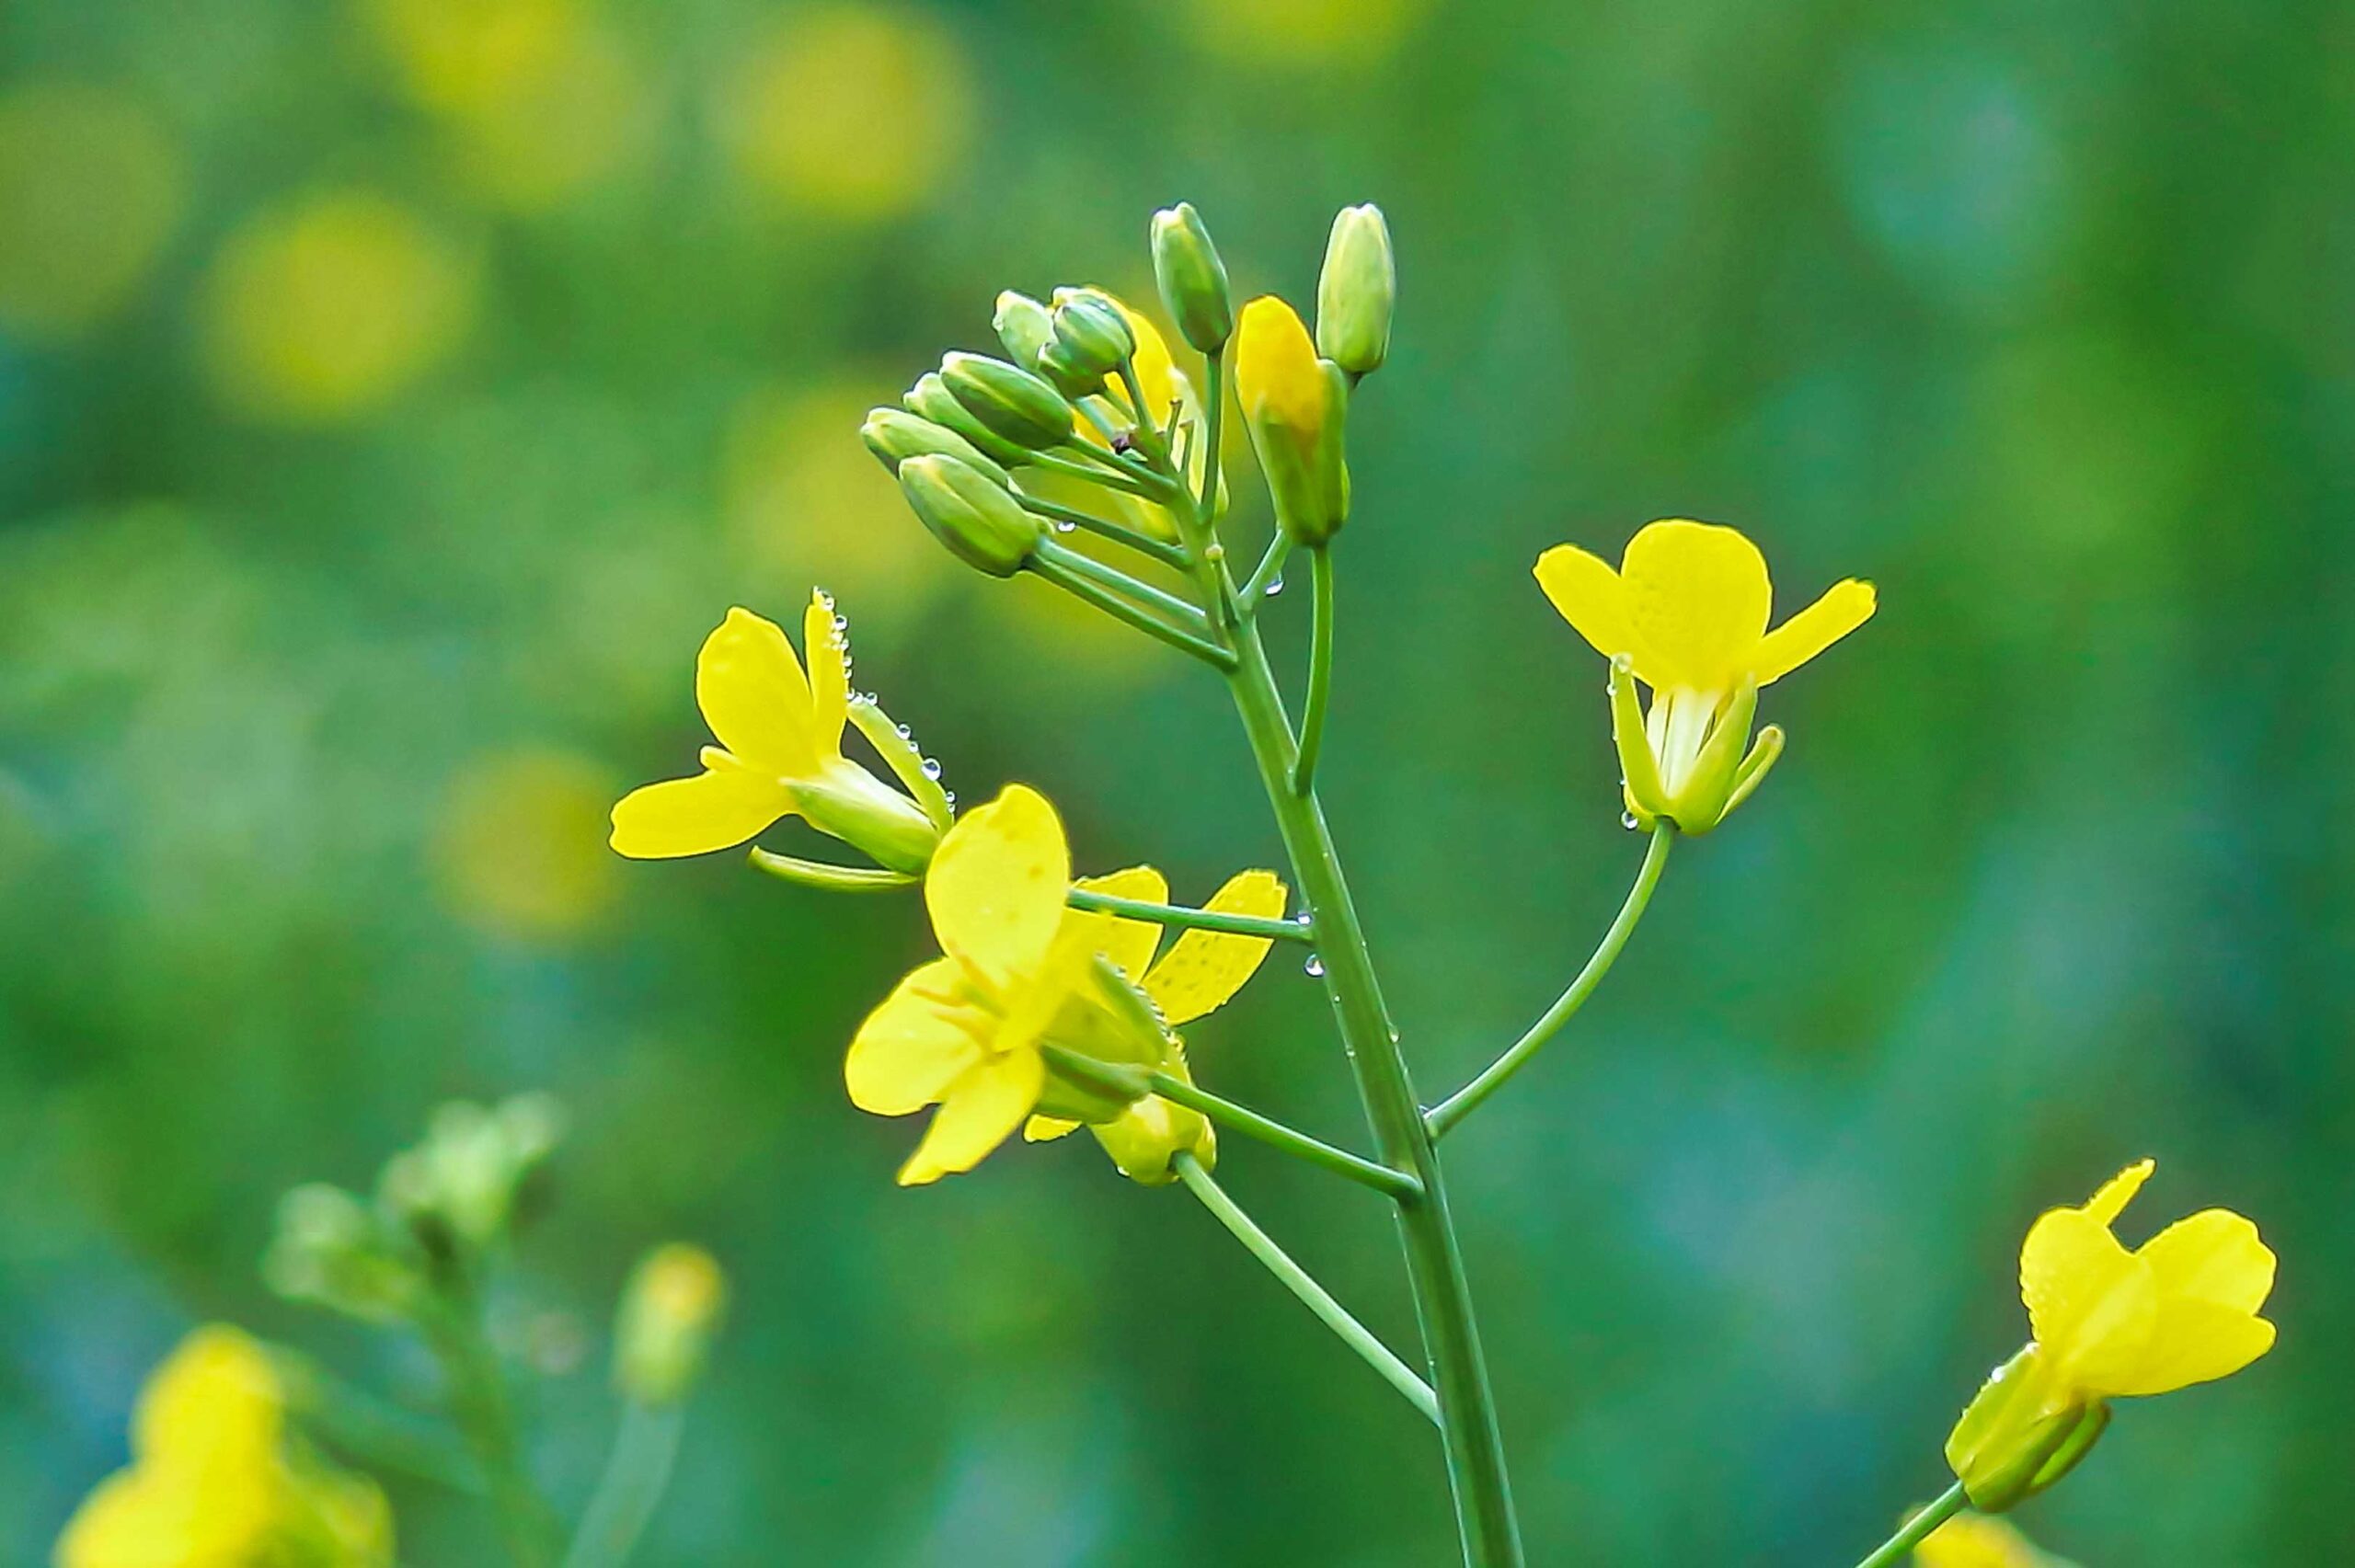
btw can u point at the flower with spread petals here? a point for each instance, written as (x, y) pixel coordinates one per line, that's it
(780, 754)
(213, 1482)
(1195, 978)
(2110, 1324)
(1686, 614)
(1969, 1540)
(1018, 971)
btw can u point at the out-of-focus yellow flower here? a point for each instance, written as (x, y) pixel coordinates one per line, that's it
(1197, 977)
(669, 1313)
(779, 755)
(211, 1482)
(2109, 1324)
(1291, 35)
(1970, 1540)
(91, 187)
(1018, 969)
(855, 112)
(803, 505)
(540, 97)
(518, 844)
(1686, 612)
(326, 309)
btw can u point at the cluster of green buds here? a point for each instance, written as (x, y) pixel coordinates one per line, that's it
(437, 1206)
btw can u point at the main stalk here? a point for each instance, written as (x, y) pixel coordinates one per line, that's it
(1475, 1460)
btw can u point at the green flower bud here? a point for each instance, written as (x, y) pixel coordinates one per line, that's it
(1191, 277)
(458, 1187)
(1357, 291)
(981, 522)
(2017, 1437)
(894, 436)
(1090, 331)
(1024, 326)
(669, 1313)
(328, 1249)
(930, 398)
(1009, 400)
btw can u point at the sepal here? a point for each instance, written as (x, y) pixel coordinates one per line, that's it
(2020, 1435)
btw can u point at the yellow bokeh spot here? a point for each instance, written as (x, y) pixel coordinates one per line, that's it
(91, 187)
(1300, 34)
(326, 309)
(540, 99)
(519, 846)
(854, 112)
(806, 503)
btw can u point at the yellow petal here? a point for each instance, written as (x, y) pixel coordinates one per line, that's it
(1590, 596)
(2093, 1305)
(980, 1111)
(1046, 1129)
(997, 884)
(216, 1399)
(2111, 1202)
(1844, 607)
(1130, 944)
(752, 694)
(2214, 1255)
(1151, 361)
(712, 811)
(1969, 1540)
(828, 648)
(2195, 1342)
(914, 1045)
(1276, 373)
(1697, 597)
(1203, 969)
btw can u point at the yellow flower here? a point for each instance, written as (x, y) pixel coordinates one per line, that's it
(1966, 1541)
(780, 754)
(1019, 968)
(1276, 373)
(1686, 614)
(1201, 971)
(1293, 405)
(211, 1485)
(2109, 1324)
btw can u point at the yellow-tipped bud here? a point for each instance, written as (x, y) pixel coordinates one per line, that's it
(1357, 291)
(979, 519)
(1295, 406)
(1008, 399)
(893, 435)
(1191, 278)
(670, 1311)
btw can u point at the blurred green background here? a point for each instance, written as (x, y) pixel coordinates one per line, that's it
(394, 391)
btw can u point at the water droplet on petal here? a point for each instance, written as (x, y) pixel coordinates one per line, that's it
(1275, 586)
(905, 733)
(949, 795)
(842, 625)
(1314, 969)
(930, 768)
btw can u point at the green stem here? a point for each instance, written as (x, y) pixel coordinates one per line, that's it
(1126, 610)
(1485, 1525)
(379, 1434)
(1298, 1280)
(1101, 468)
(1117, 1079)
(1271, 567)
(638, 1471)
(825, 874)
(1214, 423)
(1917, 1530)
(1320, 668)
(1104, 528)
(1191, 919)
(1105, 574)
(1466, 1100)
(479, 1405)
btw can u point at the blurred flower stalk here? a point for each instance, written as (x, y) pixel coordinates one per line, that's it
(230, 1439)
(1090, 457)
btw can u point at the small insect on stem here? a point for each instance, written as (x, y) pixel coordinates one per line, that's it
(1125, 443)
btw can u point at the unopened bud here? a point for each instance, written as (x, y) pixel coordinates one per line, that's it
(981, 524)
(329, 1250)
(1009, 400)
(669, 1313)
(894, 435)
(1191, 278)
(1024, 326)
(1295, 406)
(931, 399)
(1357, 291)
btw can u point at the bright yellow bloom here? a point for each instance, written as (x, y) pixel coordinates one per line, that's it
(2109, 1324)
(1201, 971)
(212, 1483)
(1969, 1540)
(1276, 373)
(1686, 614)
(780, 754)
(1018, 969)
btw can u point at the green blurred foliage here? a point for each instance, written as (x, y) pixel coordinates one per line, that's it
(393, 391)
